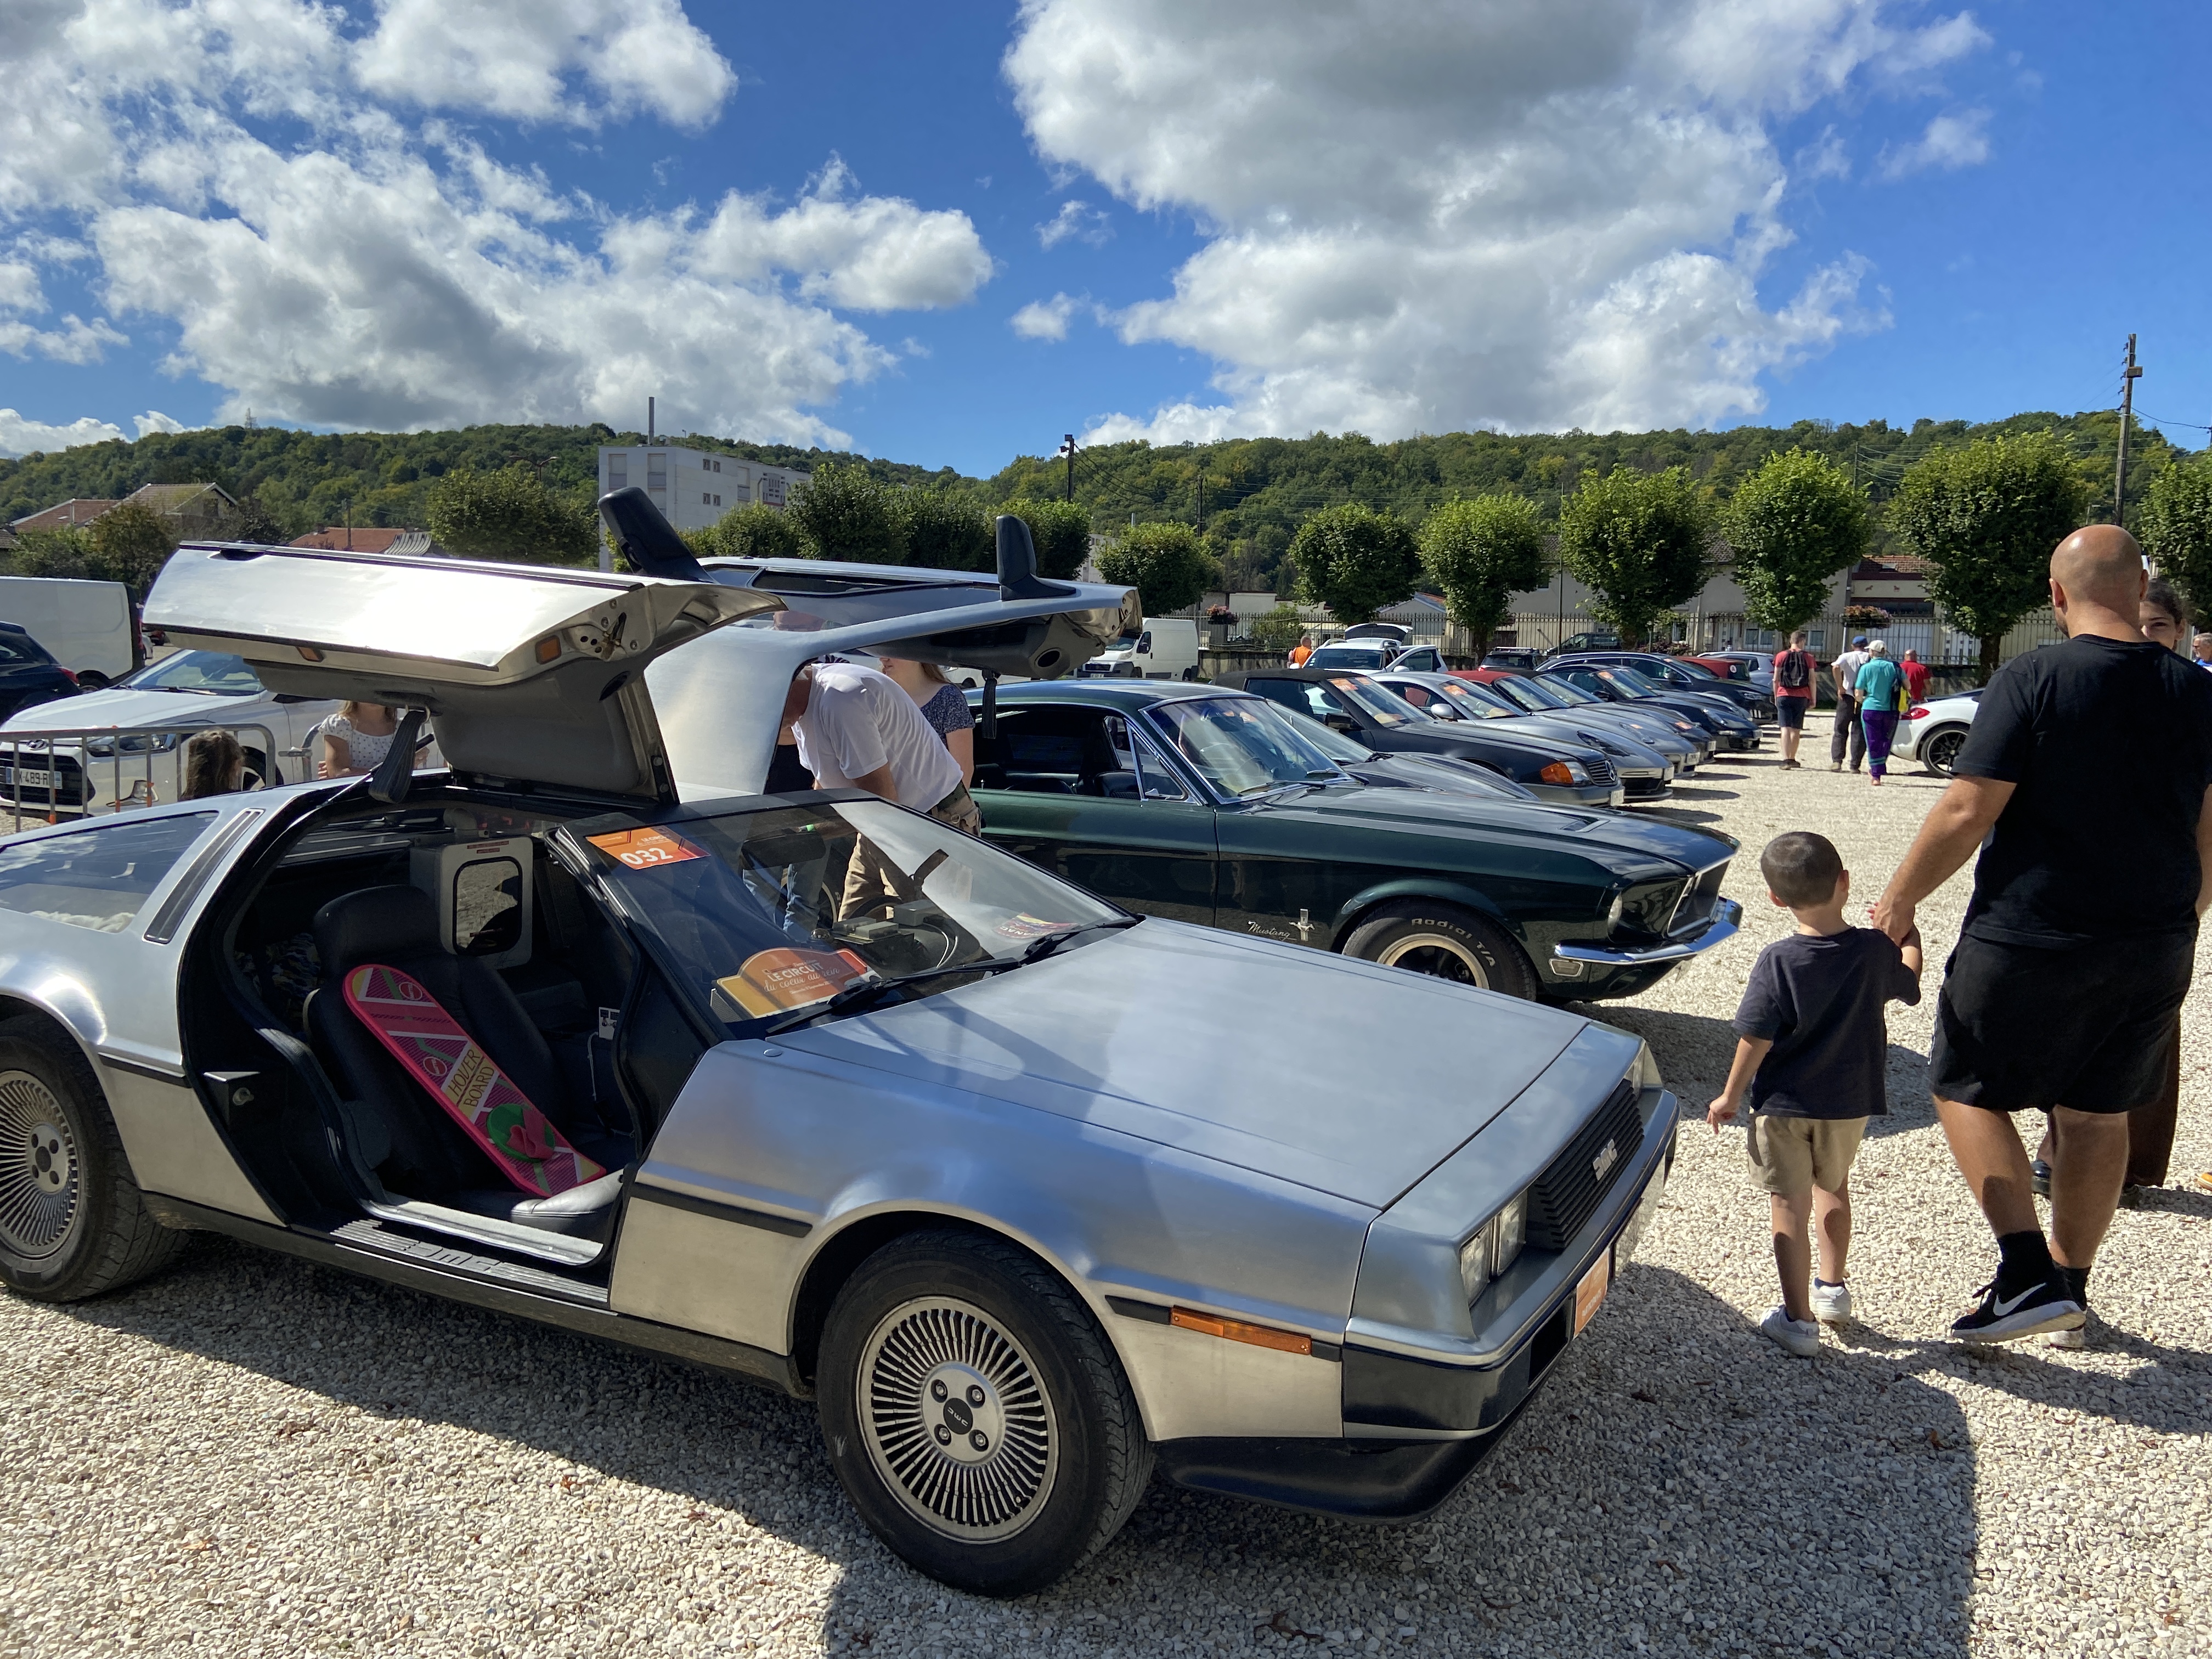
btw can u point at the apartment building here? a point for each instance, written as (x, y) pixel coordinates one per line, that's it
(694, 487)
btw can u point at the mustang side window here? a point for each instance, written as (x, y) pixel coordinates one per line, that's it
(98, 877)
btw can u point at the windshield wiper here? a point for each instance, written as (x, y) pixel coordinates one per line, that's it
(1039, 949)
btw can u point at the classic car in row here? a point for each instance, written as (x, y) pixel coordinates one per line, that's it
(1031, 1194)
(1687, 676)
(1729, 725)
(1645, 773)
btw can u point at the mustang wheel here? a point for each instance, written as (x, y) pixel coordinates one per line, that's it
(1445, 941)
(71, 1222)
(976, 1415)
(1941, 750)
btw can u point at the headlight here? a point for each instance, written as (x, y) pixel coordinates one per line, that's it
(1494, 1248)
(1564, 772)
(1613, 911)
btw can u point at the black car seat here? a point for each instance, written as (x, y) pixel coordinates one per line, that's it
(405, 1136)
(1103, 771)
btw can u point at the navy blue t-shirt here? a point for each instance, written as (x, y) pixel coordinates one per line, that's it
(1820, 1001)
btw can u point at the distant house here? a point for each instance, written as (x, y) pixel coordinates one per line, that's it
(194, 509)
(365, 539)
(70, 515)
(694, 487)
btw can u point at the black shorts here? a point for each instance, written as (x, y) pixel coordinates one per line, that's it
(1790, 711)
(2086, 1027)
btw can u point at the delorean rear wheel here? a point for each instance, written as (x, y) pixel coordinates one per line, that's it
(72, 1224)
(976, 1415)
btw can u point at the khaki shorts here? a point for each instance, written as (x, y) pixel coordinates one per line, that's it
(1792, 1155)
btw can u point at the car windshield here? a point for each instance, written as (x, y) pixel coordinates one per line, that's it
(1477, 702)
(1628, 681)
(1551, 692)
(1426, 698)
(1384, 707)
(197, 670)
(1359, 655)
(1334, 749)
(1240, 745)
(1696, 671)
(761, 912)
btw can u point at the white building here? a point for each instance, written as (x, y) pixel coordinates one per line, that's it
(693, 487)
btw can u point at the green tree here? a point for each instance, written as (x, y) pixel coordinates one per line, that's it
(1985, 516)
(66, 552)
(256, 523)
(130, 544)
(1355, 561)
(1480, 553)
(2176, 529)
(1165, 562)
(1794, 524)
(1279, 630)
(752, 531)
(945, 531)
(847, 513)
(1062, 530)
(508, 514)
(1637, 540)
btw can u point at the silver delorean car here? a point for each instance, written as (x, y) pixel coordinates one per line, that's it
(1031, 1195)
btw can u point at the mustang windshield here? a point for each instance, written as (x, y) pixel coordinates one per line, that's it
(767, 911)
(1240, 745)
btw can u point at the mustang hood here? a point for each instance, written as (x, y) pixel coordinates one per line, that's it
(1458, 816)
(1222, 1047)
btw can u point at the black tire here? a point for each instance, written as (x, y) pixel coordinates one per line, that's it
(1939, 751)
(1424, 937)
(1189, 676)
(72, 1224)
(1072, 1460)
(91, 679)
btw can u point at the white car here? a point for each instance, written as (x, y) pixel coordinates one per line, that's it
(1932, 734)
(126, 743)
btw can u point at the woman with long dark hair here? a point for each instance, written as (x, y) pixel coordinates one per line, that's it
(213, 765)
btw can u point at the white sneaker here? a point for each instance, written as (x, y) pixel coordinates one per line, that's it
(1831, 1303)
(1800, 1336)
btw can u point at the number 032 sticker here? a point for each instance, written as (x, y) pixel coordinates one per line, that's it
(641, 849)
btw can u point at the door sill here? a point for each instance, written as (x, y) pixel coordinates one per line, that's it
(558, 1247)
(385, 1240)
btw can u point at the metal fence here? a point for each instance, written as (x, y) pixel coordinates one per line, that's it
(49, 775)
(1938, 644)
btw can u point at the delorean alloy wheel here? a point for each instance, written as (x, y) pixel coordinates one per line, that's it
(1445, 941)
(976, 1415)
(72, 1224)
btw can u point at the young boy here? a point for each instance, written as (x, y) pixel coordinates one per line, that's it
(1810, 1049)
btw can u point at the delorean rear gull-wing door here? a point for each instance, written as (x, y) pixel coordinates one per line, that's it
(531, 675)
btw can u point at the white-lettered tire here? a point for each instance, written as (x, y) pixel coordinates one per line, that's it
(72, 1224)
(976, 1415)
(1445, 940)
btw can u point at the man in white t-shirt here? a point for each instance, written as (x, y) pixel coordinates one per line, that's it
(1848, 733)
(857, 728)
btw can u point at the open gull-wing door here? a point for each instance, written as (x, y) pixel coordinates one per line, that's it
(530, 674)
(720, 700)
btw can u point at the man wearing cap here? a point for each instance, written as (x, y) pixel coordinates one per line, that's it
(1844, 670)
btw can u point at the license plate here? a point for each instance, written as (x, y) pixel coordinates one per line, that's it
(1619, 796)
(28, 778)
(1591, 1291)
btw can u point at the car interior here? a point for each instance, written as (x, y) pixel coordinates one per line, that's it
(1069, 750)
(473, 906)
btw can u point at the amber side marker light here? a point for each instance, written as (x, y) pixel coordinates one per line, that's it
(1236, 1330)
(548, 648)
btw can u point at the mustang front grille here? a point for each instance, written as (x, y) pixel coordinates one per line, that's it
(1567, 1194)
(1695, 908)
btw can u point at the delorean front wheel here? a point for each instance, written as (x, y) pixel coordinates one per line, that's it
(976, 1415)
(72, 1224)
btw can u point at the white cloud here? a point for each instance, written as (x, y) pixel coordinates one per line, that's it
(362, 267)
(1078, 220)
(19, 436)
(1044, 319)
(1454, 213)
(1950, 142)
(1826, 157)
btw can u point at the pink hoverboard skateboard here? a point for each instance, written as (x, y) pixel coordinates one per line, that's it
(448, 1062)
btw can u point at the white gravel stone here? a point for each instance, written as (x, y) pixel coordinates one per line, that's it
(249, 1457)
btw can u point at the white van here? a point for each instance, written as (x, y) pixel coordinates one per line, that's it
(1167, 649)
(85, 626)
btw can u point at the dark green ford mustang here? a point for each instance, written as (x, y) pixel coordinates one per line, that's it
(1205, 805)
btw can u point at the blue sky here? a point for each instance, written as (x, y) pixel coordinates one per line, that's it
(1417, 216)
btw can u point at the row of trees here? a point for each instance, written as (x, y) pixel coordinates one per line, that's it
(1983, 515)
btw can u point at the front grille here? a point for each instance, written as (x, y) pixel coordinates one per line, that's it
(68, 782)
(1567, 1194)
(1699, 900)
(1600, 770)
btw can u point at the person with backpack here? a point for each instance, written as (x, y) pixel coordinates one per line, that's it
(1792, 695)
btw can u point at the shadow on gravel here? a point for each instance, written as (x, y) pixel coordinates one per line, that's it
(1679, 1486)
(1678, 814)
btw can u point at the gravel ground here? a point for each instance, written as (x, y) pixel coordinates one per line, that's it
(252, 1456)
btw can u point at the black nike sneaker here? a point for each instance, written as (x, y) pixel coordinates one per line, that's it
(2047, 1306)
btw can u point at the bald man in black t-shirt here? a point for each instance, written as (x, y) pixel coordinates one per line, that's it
(2088, 770)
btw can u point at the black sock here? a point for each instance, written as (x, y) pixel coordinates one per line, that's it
(2024, 1260)
(1828, 1284)
(2076, 1282)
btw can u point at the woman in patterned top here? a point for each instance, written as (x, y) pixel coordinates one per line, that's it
(356, 740)
(942, 706)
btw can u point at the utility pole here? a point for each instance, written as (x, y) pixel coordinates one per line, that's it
(1201, 494)
(648, 423)
(1068, 450)
(2127, 409)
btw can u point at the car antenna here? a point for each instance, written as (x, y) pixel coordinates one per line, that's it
(647, 539)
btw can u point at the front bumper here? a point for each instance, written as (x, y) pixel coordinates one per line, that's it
(1419, 1424)
(1575, 794)
(1722, 926)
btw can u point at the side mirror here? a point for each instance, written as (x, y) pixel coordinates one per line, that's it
(1339, 723)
